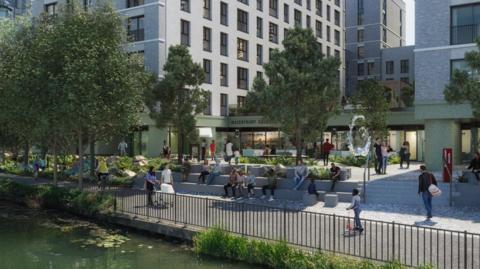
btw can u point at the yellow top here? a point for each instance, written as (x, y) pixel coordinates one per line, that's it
(102, 167)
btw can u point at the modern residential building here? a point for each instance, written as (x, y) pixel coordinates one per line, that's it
(11, 8)
(231, 39)
(445, 31)
(371, 25)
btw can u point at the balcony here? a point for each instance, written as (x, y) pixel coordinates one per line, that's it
(136, 35)
(464, 34)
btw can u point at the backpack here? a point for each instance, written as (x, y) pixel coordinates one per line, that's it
(433, 189)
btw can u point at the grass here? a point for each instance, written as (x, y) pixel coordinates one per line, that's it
(278, 255)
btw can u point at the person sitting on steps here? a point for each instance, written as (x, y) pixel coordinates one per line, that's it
(272, 184)
(217, 169)
(205, 172)
(334, 176)
(301, 173)
(250, 181)
(232, 183)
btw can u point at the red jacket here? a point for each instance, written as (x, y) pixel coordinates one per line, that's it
(327, 147)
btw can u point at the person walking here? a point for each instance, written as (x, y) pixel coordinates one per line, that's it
(203, 150)
(212, 150)
(334, 176)
(122, 148)
(405, 149)
(301, 173)
(326, 148)
(205, 172)
(384, 148)
(167, 180)
(475, 165)
(150, 180)
(36, 168)
(271, 184)
(424, 181)
(186, 169)
(378, 154)
(102, 173)
(232, 183)
(166, 150)
(229, 151)
(355, 205)
(250, 181)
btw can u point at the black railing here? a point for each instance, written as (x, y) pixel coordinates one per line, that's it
(464, 34)
(382, 241)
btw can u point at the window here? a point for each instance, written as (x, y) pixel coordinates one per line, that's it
(207, 39)
(361, 69)
(224, 44)
(240, 101)
(337, 54)
(185, 33)
(328, 12)
(223, 104)
(318, 29)
(185, 5)
(273, 5)
(360, 12)
(242, 78)
(259, 27)
(242, 49)
(51, 9)
(384, 35)
(273, 33)
(328, 52)
(135, 29)
(465, 24)
(208, 108)
(360, 52)
(370, 69)
(130, 3)
(405, 80)
(223, 13)
(259, 54)
(297, 16)
(308, 23)
(286, 13)
(337, 3)
(336, 37)
(389, 67)
(259, 74)
(242, 21)
(243, 1)
(404, 66)
(298, 2)
(319, 8)
(207, 9)
(337, 18)
(321, 47)
(207, 69)
(224, 75)
(309, 5)
(328, 33)
(285, 33)
(360, 37)
(260, 5)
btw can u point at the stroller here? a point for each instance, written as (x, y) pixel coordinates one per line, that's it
(159, 191)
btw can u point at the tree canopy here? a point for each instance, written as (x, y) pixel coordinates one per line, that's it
(302, 92)
(178, 97)
(464, 85)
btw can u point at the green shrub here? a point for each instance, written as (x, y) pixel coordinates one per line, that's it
(219, 243)
(350, 161)
(317, 172)
(91, 202)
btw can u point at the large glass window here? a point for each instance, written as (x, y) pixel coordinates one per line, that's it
(404, 66)
(259, 27)
(185, 5)
(242, 49)
(318, 7)
(224, 44)
(361, 69)
(273, 33)
(371, 69)
(360, 37)
(273, 5)
(223, 104)
(242, 21)
(135, 29)
(51, 9)
(207, 69)
(208, 108)
(286, 13)
(207, 9)
(207, 39)
(134, 3)
(462, 65)
(318, 29)
(185, 33)
(259, 54)
(389, 67)
(223, 74)
(223, 13)
(465, 21)
(337, 37)
(297, 16)
(260, 5)
(337, 18)
(242, 78)
(360, 52)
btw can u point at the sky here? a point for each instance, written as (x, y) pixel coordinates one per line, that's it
(410, 21)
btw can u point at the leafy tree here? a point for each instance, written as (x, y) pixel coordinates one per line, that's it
(372, 101)
(463, 86)
(303, 91)
(407, 95)
(177, 98)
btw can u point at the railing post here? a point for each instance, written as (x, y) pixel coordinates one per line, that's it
(334, 234)
(243, 219)
(206, 212)
(115, 202)
(393, 240)
(285, 223)
(465, 256)
(175, 208)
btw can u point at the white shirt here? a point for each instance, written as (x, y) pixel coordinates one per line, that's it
(167, 176)
(229, 149)
(123, 145)
(301, 171)
(355, 202)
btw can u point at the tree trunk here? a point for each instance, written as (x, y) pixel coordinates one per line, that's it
(26, 151)
(55, 161)
(80, 157)
(92, 156)
(180, 147)
(298, 144)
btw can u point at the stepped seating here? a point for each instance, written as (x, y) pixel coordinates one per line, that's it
(284, 189)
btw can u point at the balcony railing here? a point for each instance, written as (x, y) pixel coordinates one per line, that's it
(464, 34)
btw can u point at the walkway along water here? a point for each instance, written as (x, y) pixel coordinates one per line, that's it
(382, 241)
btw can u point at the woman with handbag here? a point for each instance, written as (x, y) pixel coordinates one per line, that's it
(427, 188)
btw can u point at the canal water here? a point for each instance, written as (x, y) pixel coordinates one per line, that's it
(38, 239)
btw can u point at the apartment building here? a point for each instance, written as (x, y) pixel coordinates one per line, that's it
(371, 25)
(10, 8)
(231, 39)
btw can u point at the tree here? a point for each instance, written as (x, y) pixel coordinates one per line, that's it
(407, 95)
(303, 90)
(178, 98)
(464, 84)
(372, 101)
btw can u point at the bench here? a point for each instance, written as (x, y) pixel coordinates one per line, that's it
(331, 200)
(309, 199)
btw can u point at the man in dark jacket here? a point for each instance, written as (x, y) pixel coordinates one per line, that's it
(475, 165)
(378, 153)
(424, 181)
